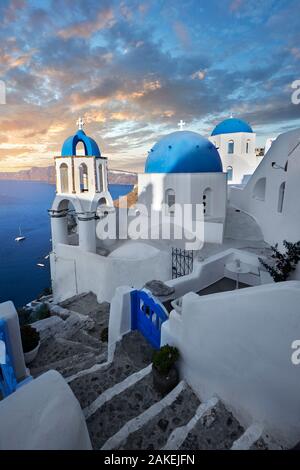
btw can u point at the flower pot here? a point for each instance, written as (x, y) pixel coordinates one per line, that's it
(31, 355)
(164, 383)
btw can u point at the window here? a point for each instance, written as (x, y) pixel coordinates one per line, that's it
(64, 178)
(101, 184)
(281, 197)
(80, 149)
(83, 175)
(259, 191)
(206, 201)
(170, 201)
(231, 146)
(229, 173)
(247, 146)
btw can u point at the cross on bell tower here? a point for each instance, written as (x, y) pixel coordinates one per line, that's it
(181, 124)
(80, 123)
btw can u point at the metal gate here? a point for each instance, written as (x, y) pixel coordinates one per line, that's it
(147, 316)
(182, 262)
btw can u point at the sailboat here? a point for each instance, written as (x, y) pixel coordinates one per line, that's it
(21, 237)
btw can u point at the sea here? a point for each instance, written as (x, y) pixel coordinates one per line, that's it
(23, 206)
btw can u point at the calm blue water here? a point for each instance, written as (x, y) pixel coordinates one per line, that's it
(25, 203)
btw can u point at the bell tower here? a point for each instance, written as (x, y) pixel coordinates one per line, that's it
(81, 187)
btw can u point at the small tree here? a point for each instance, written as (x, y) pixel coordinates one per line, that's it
(285, 262)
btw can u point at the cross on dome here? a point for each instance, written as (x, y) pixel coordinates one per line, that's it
(80, 123)
(181, 124)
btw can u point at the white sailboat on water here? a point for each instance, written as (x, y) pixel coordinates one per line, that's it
(21, 237)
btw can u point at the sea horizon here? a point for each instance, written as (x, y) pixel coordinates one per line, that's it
(25, 204)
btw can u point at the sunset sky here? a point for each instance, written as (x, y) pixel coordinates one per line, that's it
(133, 69)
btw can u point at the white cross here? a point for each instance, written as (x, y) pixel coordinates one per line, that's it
(80, 123)
(181, 124)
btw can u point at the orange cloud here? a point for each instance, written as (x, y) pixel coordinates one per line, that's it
(85, 29)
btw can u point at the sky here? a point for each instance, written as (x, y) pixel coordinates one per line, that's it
(134, 69)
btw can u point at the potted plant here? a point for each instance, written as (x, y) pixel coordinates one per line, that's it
(30, 342)
(164, 371)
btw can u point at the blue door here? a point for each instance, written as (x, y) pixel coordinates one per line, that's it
(147, 316)
(8, 382)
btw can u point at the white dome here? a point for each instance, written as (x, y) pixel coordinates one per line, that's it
(134, 250)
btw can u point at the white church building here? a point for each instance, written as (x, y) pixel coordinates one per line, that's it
(236, 143)
(184, 168)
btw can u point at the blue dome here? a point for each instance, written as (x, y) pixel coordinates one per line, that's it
(183, 152)
(231, 126)
(91, 148)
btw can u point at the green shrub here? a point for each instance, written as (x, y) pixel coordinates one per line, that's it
(24, 315)
(30, 338)
(165, 358)
(284, 263)
(43, 312)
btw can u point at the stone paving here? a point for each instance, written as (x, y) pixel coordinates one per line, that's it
(156, 432)
(87, 304)
(73, 348)
(108, 419)
(216, 430)
(133, 353)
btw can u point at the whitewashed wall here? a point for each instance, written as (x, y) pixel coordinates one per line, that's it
(43, 415)
(74, 271)
(212, 269)
(188, 187)
(242, 163)
(238, 345)
(275, 226)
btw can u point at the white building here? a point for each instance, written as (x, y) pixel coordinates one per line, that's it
(271, 194)
(185, 168)
(236, 142)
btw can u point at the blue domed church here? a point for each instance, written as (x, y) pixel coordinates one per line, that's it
(185, 168)
(236, 141)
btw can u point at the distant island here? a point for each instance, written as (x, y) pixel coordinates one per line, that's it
(47, 174)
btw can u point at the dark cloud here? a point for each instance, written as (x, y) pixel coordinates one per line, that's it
(134, 69)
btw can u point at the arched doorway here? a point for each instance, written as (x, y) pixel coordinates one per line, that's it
(83, 177)
(69, 222)
(259, 191)
(229, 171)
(101, 209)
(64, 178)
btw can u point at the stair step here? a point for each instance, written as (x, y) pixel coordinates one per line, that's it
(86, 304)
(217, 429)
(87, 339)
(115, 413)
(70, 365)
(56, 349)
(132, 354)
(154, 434)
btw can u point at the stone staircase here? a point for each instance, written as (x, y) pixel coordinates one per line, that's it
(122, 408)
(76, 343)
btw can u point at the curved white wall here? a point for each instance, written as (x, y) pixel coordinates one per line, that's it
(238, 345)
(74, 271)
(276, 226)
